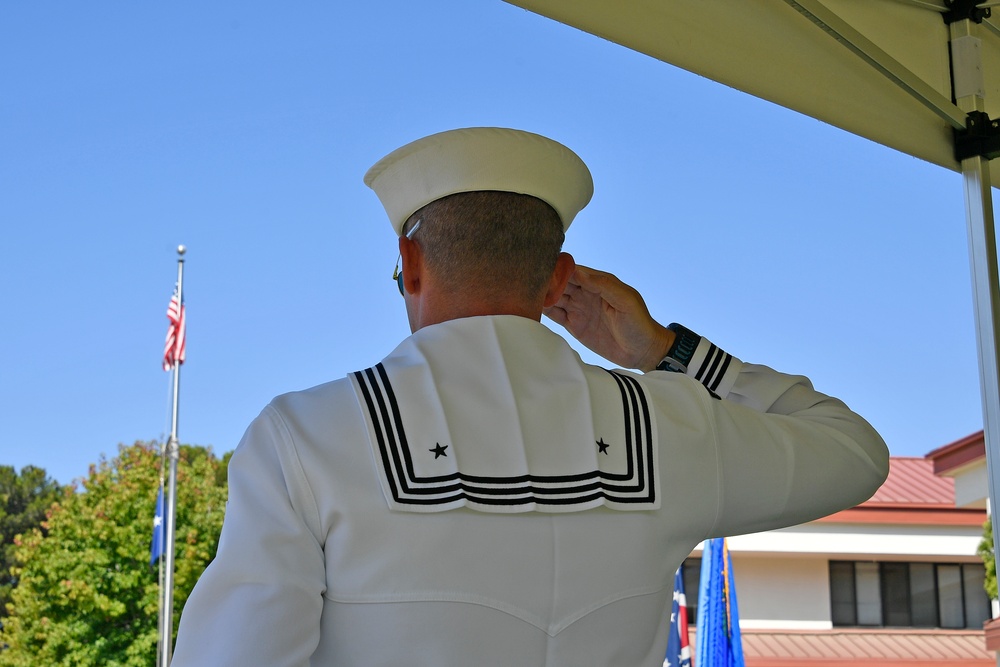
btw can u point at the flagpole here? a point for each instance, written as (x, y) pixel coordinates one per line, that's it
(173, 453)
(159, 558)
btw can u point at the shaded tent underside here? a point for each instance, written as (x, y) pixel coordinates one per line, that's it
(774, 51)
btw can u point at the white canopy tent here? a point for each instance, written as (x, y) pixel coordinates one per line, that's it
(920, 76)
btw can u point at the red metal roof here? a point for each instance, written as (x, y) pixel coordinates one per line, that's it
(857, 646)
(912, 481)
(911, 494)
(950, 458)
(883, 647)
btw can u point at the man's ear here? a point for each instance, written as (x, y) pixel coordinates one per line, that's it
(565, 266)
(412, 256)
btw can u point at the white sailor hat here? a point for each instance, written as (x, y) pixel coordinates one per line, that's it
(480, 158)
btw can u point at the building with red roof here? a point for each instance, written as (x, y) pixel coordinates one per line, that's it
(892, 582)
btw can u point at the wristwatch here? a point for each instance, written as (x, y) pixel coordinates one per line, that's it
(679, 355)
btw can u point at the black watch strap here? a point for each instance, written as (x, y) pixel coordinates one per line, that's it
(679, 355)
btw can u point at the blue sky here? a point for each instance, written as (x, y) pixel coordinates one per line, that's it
(242, 130)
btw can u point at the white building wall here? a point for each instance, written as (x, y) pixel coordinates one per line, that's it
(864, 541)
(970, 486)
(788, 593)
(782, 576)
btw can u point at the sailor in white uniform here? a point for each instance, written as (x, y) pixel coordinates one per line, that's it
(483, 497)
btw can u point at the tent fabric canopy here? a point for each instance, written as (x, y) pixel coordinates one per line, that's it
(893, 71)
(775, 51)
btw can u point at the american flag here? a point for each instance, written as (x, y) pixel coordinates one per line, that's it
(173, 349)
(678, 650)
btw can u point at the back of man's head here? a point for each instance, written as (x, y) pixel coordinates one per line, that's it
(489, 245)
(493, 204)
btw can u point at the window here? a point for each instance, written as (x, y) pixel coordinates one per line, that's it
(843, 602)
(920, 595)
(691, 571)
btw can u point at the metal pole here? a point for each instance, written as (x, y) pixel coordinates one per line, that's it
(970, 96)
(167, 616)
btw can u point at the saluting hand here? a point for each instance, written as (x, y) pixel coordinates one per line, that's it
(610, 318)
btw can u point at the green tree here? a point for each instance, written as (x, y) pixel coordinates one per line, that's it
(87, 594)
(985, 552)
(24, 500)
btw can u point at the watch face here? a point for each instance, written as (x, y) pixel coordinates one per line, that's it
(684, 346)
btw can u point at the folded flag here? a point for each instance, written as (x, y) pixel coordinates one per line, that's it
(719, 642)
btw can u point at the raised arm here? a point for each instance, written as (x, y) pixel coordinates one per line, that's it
(783, 452)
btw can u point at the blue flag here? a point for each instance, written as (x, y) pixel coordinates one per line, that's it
(719, 643)
(678, 650)
(156, 548)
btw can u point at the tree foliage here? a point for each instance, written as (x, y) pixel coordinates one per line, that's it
(87, 594)
(985, 551)
(24, 500)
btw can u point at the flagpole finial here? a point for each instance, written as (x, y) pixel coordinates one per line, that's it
(181, 249)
